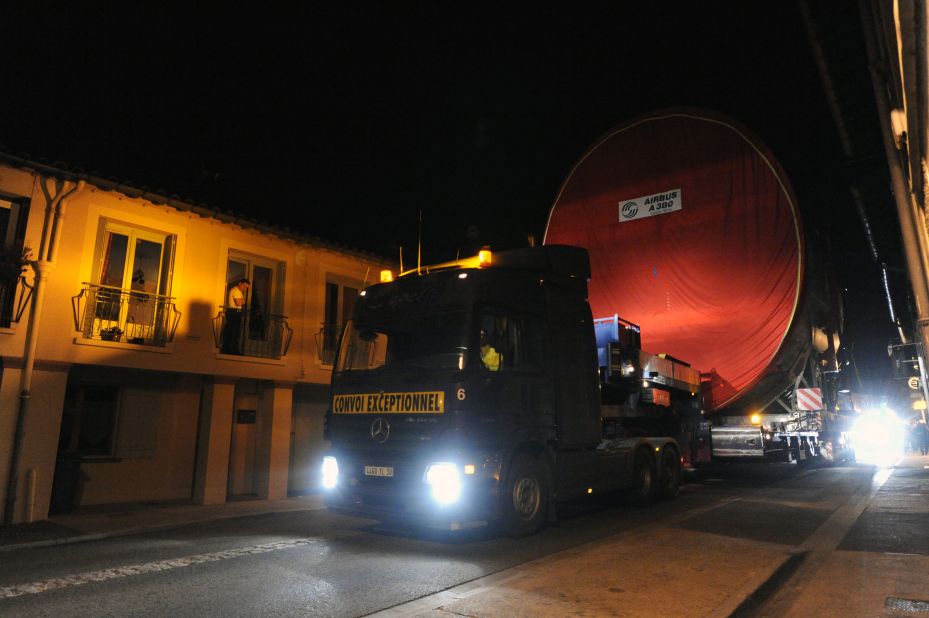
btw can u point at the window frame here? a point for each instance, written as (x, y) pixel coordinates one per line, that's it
(331, 332)
(252, 346)
(526, 326)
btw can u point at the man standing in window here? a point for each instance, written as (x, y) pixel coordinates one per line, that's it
(232, 326)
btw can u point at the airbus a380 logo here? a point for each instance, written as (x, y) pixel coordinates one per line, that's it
(650, 205)
(629, 210)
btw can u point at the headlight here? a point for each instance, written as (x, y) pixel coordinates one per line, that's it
(330, 472)
(445, 482)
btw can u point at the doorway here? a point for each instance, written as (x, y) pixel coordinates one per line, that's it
(242, 455)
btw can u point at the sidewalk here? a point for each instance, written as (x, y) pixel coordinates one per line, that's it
(92, 523)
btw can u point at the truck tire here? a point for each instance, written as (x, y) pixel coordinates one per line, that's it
(644, 478)
(525, 497)
(670, 471)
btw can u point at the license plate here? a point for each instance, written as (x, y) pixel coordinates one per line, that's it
(379, 471)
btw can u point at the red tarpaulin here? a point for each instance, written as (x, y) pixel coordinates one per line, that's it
(715, 278)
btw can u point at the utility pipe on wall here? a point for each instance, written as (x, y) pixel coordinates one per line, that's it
(42, 266)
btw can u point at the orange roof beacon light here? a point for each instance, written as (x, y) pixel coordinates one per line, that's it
(387, 276)
(482, 259)
(755, 419)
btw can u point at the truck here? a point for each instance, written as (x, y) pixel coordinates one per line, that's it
(490, 388)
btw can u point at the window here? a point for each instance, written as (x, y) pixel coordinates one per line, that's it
(340, 300)
(128, 298)
(106, 420)
(257, 327)
(88, 424)
(12, 231)
(510, 342)
(423, 342)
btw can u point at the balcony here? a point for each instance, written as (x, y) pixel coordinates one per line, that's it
(327, 342)
(112, 314)
(248, 332)
(14, 298)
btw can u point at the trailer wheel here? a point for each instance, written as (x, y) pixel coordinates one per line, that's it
(808, 457)
(525, 499)
(644, 477)
(670, 474)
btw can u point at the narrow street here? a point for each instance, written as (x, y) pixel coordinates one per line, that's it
(793, 533)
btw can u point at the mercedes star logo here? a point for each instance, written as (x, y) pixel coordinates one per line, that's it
(380, 430)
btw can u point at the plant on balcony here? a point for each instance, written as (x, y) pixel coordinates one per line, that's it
(13, 262)
(112, 333)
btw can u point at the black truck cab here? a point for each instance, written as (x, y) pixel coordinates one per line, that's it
(470, 393)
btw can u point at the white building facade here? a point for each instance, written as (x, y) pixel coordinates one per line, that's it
(125, 378)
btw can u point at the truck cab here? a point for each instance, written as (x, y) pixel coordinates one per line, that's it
(470, 392)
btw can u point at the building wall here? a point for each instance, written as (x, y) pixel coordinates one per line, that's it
(171, 381)
(167, 472)
(309, 409)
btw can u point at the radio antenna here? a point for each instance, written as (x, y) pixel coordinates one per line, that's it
(419, 245)
(365, 284)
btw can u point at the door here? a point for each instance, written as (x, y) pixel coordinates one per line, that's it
(260, 329)
(242, 454)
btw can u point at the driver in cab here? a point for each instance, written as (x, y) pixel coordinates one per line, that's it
(489, 356)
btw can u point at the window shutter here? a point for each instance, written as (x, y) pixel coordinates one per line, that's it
(137, 431)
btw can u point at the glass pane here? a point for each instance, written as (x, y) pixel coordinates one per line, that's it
(235, 270)
(262, 279)
(332, 303)
(362, 349)
(411, 342)
(97, 420)
(146, 266)
(332, 324)
(114, 260)
(349, 296)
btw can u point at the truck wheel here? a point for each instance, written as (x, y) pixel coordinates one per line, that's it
(808, 457)
(670, 474)
(644, 478)
(525, 499)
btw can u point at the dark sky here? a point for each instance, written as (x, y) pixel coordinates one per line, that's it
(345, 121)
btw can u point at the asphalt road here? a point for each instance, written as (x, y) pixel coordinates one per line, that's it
(319, 564)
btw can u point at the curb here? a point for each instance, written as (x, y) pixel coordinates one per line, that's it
(754, 601)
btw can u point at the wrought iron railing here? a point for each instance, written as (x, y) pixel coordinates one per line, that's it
(247, 332)
(327, 342)
(114, 314)
(14, 298)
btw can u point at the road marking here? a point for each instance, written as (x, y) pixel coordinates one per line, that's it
(141, 569)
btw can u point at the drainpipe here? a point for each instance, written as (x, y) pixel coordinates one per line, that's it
(45, 264)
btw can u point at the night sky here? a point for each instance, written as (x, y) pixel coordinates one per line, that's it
(347, 121)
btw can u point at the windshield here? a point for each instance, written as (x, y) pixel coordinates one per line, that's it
(421, 342)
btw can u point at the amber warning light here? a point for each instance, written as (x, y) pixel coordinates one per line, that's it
(484, 257)
(387, 276)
